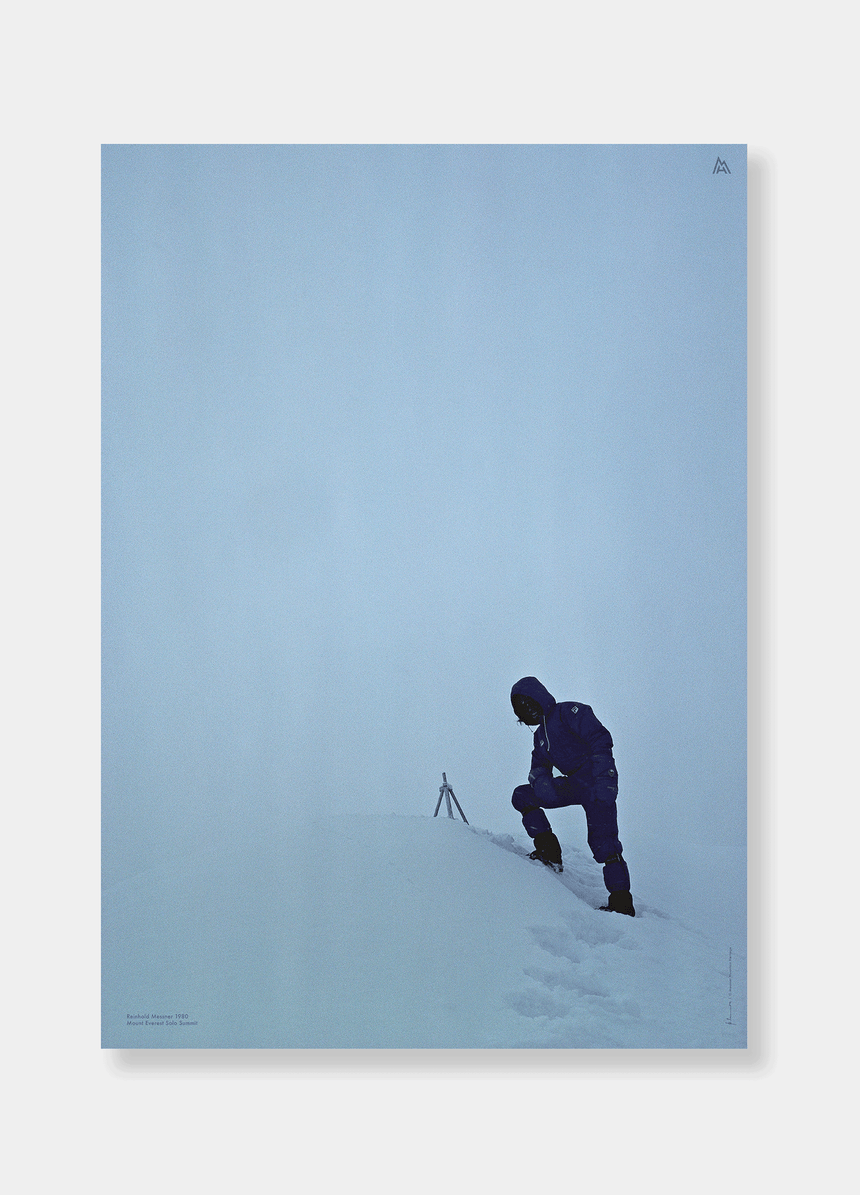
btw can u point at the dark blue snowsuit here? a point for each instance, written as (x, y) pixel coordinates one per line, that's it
(570, 739)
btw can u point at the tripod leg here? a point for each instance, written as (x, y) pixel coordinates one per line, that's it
(457, 803)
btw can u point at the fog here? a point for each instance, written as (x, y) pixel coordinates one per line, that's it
(387, 428)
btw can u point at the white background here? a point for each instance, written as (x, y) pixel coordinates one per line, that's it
(74, 78)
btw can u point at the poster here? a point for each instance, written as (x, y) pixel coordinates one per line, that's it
(387, 428)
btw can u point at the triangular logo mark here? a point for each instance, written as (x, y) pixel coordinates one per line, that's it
(721, 167)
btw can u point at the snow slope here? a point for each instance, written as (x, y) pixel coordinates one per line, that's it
(402, 932)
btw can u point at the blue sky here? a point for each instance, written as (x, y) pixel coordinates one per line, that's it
(388, 427)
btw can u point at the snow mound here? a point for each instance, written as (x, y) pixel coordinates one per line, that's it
(401, 932)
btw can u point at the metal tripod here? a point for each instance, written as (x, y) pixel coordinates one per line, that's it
(447, 792)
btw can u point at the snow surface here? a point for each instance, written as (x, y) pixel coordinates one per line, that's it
(402, 932)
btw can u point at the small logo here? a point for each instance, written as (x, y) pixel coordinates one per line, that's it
(720, 167)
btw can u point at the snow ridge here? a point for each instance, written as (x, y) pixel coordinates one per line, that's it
(402, 932)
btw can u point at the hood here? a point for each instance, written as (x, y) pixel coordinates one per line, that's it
(530, 686)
